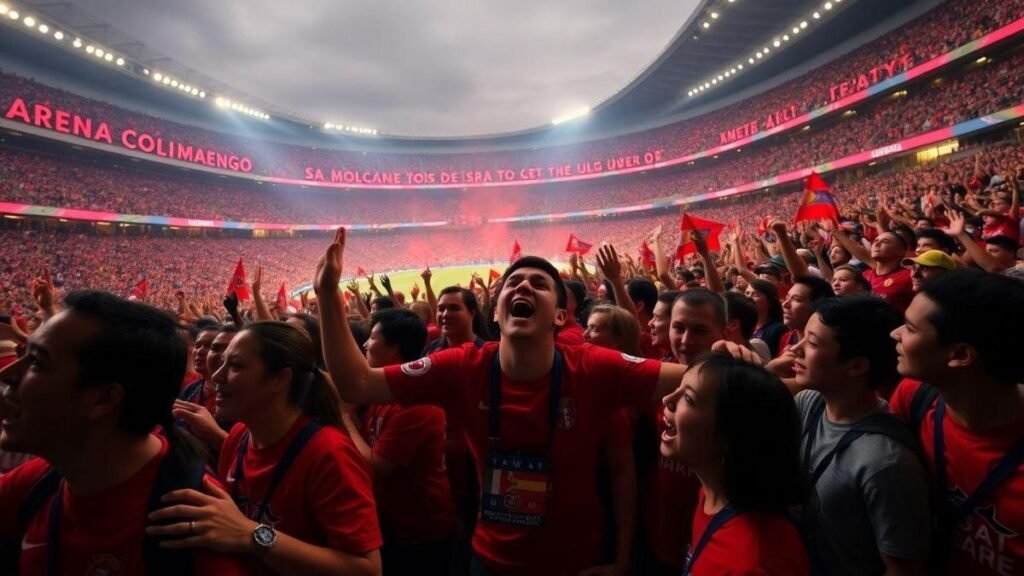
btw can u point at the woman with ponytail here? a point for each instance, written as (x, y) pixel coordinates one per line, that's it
(299, 496)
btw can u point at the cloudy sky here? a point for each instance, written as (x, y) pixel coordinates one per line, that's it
(414, 67)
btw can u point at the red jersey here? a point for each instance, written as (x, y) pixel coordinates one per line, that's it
(670, 499)
(897, 286)
(1005, 225)
(415, 500)
(325, 498)
(100, 533)
(571, 334)
(433, 332)
(990, 541)
(595, 383)
(749, 543)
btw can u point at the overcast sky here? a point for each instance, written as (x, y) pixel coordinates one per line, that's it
(413, 67)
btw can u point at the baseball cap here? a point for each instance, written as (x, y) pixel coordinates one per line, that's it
(932, 259)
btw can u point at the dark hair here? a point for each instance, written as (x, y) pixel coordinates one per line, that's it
(771, 292)
(207, 323)
(312, 325)
(470, 302)
(384, 302)
(544, 266)
(579, 291)
(669, 297)
(642, 290)
(946, 242)
(137, 347)
(861, 324)
(360, 330)
(1004, 242)
(697, 297)
(819, 287)
(984, 311)
(743, 309)
(282, 346)
(188, 332)
(905, 235)
(402, 328)
(228, 328)
(759, 426)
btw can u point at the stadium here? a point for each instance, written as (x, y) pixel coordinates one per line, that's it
(834, 124)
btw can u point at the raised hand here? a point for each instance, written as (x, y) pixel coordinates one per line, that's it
(385, 282)
(608, 262)
(957, 223)
(331, 264)
(257, 280)
(43, 291)
(427, 275)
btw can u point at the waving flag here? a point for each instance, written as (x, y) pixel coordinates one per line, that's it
(141, 290)
(706, 228)
(238, 283)
(647, 258)
(282, 298)
(818, 203)
(517, 253)
(494, 275)
(578, 246)
(360, 272)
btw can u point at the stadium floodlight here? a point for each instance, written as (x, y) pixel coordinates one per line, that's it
(714, 15)
(77, 43)
(740, 66)
(816, 15)
(785, 37)
(777, 43)
(714, 81)
(720, 78)
(58, 35)
(167, 80)
(90, 48)
(174, 83)
(573, 115)
(108, 57)
(13, 15)
(202, 94)
(828, 5)
(29, 21)
(759, 55)
(803, 24)
(120, 62)
(4, 9)
(43, 29)
(766, 50)
(751, 60)
(158, 77)
(195, 91)
(796, 29)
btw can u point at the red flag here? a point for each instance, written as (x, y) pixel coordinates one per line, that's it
(818, 203)
(282, 298)
(495, 276)
(141, 290)
(238, 284)
(578, 246)
(360, 272)
(517, 252)
(706, 228)
(647, 257)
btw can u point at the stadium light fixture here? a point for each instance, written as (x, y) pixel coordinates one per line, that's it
(4, 9)
(108, 57)
(828, 5)
(120, 62)
(714, 15)
(90, 49)
(816, 15)
(43, 29)
(77, 43)
(13, 15)
(58, 35)
(572, 115)
(706, 25)
(29, 21)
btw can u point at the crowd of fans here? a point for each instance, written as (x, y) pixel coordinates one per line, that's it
(940, 30)
(42, 180)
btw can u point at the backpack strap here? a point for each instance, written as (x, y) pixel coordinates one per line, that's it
(39, 495)
(177, 472)
(923, 399)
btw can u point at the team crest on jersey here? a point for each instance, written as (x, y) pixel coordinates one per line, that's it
(417, 367)
(566, 413)
(104, 565)
(633, 359)
(888, 282)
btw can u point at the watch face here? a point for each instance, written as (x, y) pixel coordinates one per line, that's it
(264, 536)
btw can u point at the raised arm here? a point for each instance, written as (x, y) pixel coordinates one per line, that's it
(957, 229)
(797, 266)
(262, 312)
(611, 267)
(855, 248)
(661, 263)
(711, 276)
(356, 381)
(428, 291)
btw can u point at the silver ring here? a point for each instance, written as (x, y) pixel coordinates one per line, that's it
(191, 527)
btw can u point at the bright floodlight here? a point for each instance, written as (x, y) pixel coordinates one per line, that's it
(13, 15)
(29, 21)
(77, 43)
(4, 9)
(43, 28)
(108, 57)
(120, 62)
(578, 113)
(90, 48)
(58, 35)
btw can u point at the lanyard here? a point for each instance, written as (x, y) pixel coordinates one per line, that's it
(719, 520)
(494, 434)
(1006, 466)
(53, 532)
(300, 441)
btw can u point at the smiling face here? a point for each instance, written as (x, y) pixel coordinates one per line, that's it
(44, 405)
(454, 319)
(243, 386)
(921, 355)
(693, 330)
(661, 319)
(689, 414)
(528, 305)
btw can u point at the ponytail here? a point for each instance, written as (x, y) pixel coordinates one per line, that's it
(322, 401)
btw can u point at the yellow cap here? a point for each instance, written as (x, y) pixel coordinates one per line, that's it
(932, 259)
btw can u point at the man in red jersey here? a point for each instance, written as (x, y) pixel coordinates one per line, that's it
(888, 278)
(960, 338)
(405, 447)
(96, 380)
(533, 414)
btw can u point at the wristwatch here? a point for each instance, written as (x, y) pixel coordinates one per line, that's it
(264, 537)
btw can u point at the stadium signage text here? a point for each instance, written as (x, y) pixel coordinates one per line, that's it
(527, 174)
(780, 116)
(57, 120)
(865, 80)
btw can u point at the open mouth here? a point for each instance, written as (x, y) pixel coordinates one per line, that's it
(670, 431)
(522, 309)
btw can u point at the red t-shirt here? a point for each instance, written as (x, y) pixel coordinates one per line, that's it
(669, 500)
(1006, 225)
(990, 541)
(100, 533)
(433, 332)
(415, 500)
(325, 498)
(595, 383)
(749, 543)
(897, 287)
(571, 334)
